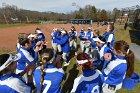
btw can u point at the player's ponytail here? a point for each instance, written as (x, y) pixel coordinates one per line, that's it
(130, 63)
(47, 58)
(42, 77)
(122, 46)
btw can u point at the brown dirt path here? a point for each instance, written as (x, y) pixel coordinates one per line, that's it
(8, 36)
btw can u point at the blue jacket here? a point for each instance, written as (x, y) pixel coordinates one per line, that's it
(64, 42)
(54, 35)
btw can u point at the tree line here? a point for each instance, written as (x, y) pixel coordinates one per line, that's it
(12, 14)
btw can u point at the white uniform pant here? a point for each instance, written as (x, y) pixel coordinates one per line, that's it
(82, 45)
(56, 48)
(65, 57)
(87, 47)
(59, 48)
(73, 42)
(106, 89)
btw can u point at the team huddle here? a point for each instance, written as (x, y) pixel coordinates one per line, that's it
(104, 62)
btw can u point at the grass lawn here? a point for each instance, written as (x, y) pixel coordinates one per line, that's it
(72, 72)
(12, 25)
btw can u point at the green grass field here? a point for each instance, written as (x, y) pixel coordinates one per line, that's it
(71, 71)
(12, 25)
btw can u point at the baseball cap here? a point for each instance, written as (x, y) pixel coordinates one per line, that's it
(38, 31)
(89, 28)
(63, 32)
(100, 39)
(31, 35)
(12, 58)
(82, 29)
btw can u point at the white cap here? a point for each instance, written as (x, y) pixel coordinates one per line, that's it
(82, 61)
(97, 39)
(11, 59)
(89, 28)
(82, 29)
(63, 32)
(55, 29)
(31, 35)
(38, 31)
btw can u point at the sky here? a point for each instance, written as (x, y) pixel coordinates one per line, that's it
(66, 6)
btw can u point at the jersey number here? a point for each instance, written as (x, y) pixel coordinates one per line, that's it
(95, 89)
(48, 84)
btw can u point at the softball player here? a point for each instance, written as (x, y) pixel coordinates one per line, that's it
(26, 55)
(103, 49)
(9, 81)
(73, 38)
(89, 35)
(56, 34)
(91, 80)
(31, 38)
(82, 38)
(41, 36)
(119, 68)
(109, 36)
(47, 77)
(64, 42)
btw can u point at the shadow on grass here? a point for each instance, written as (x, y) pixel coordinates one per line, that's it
(72, 52)
(135, 36)
(68, 85)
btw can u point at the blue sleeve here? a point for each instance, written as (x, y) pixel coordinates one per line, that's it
(58, 35)
(62, 41)
(41, 37)
(92, 42)
(80, 37)
(37, 77)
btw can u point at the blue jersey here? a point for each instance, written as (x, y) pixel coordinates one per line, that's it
(64, 42)
(115, 71)
(89, 35)
(27, 57)
(90, 82)
(54, 35)
(72, 35)
(52, 79)
(81, 35)
(12, 83)
(109, 36)
(103, 50)
(41, 37)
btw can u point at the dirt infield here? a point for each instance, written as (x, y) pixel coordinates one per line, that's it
(8, 36)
